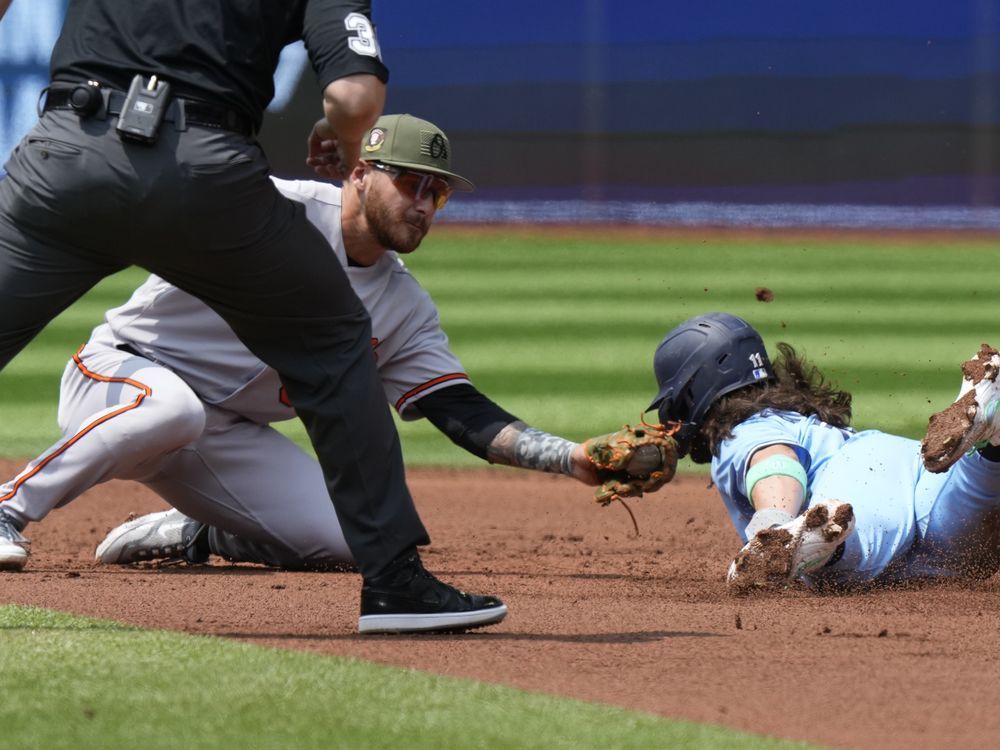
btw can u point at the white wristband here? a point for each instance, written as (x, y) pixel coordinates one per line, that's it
(765, 519)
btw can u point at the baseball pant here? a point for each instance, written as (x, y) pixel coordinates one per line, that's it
(124, 417)
(910, 522)
(198, 209)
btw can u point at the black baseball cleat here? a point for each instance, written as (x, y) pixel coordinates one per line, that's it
(408, 599)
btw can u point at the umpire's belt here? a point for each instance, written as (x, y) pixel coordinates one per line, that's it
(181, 112)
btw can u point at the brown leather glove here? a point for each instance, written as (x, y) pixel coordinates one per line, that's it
(632, 461)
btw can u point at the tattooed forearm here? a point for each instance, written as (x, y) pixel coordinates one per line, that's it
(520, 445)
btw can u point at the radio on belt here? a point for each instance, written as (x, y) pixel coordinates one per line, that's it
(145, 105)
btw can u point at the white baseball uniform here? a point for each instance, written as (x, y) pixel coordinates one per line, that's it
(164, 393)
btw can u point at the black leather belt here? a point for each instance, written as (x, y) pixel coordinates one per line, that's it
(129, 349)
(181, 112)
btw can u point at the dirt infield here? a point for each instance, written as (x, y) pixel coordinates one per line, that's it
(596, 613)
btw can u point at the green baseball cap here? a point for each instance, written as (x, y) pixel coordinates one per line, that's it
(409, 142)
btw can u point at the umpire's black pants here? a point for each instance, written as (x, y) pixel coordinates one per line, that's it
(198, 209)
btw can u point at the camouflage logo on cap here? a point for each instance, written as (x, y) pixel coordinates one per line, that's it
(433, 145)
(375, 140)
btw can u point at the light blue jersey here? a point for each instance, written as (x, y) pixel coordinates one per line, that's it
(813, 441)
(908, 521)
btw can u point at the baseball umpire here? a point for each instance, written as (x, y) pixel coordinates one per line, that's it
(145, 154)
(164, 393)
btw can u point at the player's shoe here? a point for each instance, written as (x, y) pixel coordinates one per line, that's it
(167, 535)
(408, 599)
(973, 420)
(780, 554)
(13, 545)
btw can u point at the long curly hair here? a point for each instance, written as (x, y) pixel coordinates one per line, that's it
(800, 387)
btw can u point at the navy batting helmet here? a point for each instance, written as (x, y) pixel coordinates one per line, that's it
(700, 360)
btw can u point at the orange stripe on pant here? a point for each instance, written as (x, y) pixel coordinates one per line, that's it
(144, 390)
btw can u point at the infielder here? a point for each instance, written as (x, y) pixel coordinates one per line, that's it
(811, 498)
(165, 394)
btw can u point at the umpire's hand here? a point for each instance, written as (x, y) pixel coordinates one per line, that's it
(325, 156)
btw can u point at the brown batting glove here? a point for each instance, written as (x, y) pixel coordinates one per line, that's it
(632, 461)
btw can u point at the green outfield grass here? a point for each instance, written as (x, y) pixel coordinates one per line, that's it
(561, 331)
(81, 683)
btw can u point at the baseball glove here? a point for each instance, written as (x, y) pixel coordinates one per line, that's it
(632, 461)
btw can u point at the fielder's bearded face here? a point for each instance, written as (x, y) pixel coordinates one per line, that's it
(400, 205)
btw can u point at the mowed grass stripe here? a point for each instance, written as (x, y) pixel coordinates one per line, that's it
(503, 286)
(87, 683)
(652, 264)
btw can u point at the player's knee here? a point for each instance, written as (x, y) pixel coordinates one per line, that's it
(324, 548)
(177, 420)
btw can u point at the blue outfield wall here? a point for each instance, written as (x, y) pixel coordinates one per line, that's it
(615, 109)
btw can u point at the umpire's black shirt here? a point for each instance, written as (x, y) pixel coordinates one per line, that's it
(220, 51)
